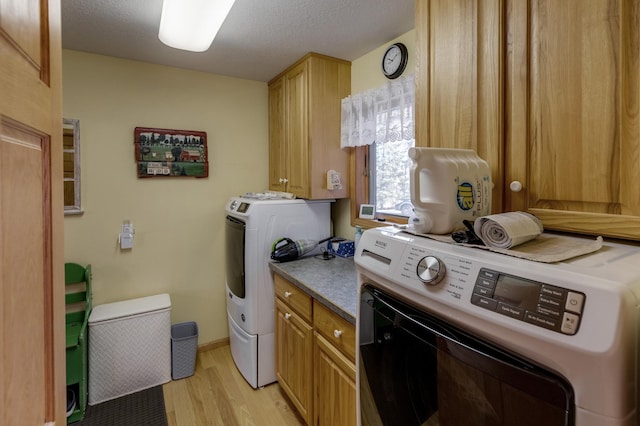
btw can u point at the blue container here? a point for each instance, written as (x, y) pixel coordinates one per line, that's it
(341, 247)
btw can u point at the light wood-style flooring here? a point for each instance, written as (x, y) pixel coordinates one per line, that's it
(217, 394)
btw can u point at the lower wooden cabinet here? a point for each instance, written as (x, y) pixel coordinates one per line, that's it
(315, 357)
(293, 358)
(334, 384)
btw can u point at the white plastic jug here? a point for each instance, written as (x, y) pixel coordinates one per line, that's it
(448, 186)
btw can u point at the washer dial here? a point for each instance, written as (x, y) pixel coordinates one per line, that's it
(430, 270)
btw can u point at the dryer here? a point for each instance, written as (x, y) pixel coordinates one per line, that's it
(252, 225)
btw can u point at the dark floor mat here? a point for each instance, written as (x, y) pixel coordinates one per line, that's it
(144, 408)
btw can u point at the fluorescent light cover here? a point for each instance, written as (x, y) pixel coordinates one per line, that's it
(192, 24)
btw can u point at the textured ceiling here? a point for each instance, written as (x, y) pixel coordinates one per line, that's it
(258, 39)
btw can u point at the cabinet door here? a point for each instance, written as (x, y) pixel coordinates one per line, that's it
(335, 386)
(277, 137)
(574, 108)
(297, 130)
(293, 358)
(459, 99)
(329, 82)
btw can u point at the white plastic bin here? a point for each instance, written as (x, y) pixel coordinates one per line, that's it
(129, 347)
(184, 349)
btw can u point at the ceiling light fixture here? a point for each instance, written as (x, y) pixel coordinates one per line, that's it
(192, 24)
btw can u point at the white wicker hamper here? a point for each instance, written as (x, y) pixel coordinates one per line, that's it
(129, 347)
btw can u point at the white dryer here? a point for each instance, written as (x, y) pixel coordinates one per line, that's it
(252, 226)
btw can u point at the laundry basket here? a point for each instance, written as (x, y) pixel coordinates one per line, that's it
(129, 347)
(184, 348)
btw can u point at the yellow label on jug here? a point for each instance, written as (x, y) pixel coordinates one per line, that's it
(465, 196)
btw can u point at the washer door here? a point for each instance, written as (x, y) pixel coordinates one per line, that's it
(416, 369)
(234, 233)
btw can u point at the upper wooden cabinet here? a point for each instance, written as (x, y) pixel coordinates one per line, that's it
(548, 93)
(277, 152)
(304, 127)
(458, 85)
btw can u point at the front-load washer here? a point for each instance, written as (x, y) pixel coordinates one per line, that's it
(456, 335)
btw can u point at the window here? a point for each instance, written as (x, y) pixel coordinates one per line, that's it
(379, 124)
(390, 166)
(71, 168)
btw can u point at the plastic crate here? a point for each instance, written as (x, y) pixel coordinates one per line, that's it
(184, 348)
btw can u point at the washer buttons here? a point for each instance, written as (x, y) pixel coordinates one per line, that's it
(570, 323)
(575, 302)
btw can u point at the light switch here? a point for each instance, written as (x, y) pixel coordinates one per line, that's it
(126, 235)
(333, 180)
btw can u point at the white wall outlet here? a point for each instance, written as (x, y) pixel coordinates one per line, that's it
(333, 180)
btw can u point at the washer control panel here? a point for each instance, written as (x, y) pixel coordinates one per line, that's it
(551, 307)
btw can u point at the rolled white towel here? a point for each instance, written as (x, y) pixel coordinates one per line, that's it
(506, 230)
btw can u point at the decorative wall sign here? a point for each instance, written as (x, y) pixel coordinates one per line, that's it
(164, 152)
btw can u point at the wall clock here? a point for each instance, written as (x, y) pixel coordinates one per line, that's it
(394, 60)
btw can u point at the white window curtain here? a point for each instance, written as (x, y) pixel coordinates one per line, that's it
(383, 114)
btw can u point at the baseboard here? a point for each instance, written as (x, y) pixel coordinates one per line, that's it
(213, 345)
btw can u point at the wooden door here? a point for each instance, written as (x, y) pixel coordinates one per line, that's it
(277, 135)
(32, 348)
(293, 358)
(298, 161)
(573, 96)
(335, 386)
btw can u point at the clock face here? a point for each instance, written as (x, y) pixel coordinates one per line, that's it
(394, 60)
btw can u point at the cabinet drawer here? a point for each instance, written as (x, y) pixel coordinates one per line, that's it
(340, 332)
(297, 299)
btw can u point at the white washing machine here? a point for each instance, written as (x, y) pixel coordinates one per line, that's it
(455, 335)
(252, 226)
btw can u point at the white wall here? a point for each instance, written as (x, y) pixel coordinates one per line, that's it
(366, 73)
(179, 222)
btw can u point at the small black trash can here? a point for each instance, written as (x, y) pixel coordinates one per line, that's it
(184, 348)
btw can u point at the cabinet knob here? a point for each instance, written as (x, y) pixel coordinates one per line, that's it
(337, 333)
(287, 294)
(283, 180)
(287, 315)
(515, 186)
